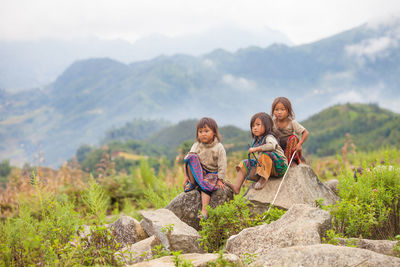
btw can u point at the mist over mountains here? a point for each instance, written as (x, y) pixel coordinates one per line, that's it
(29, 64)
(93, 95)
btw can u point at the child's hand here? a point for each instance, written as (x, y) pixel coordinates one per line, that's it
(220, 184)
(298, 148)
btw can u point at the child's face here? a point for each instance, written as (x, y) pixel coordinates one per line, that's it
(205, 135)
(280, 111)
(258, 128)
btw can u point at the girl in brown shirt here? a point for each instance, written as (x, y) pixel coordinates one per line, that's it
(287, 128)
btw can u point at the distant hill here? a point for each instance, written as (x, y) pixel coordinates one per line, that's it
(370, 127)
(174, 135)
(94, 95)
(138, 129)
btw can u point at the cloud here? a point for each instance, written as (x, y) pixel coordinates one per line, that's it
(131, 20)
(96, 111)
(238, 83)
(372, 48)
(361, 95)
(209, 63)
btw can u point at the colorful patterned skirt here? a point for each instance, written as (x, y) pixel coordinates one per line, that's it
(268, 164)
(206, 180)
(291, 148)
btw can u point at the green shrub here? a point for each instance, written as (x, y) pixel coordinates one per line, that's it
(96, 201)
(44, 233)
(229, 219)
(97, 248)
(37, 237)
(370, 202)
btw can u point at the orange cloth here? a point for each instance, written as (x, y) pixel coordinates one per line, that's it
(264, 169)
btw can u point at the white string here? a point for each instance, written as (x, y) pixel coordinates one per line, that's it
(279, 188)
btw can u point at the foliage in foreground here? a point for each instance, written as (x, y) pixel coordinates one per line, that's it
(370, 206)
(229, 219)
(45, 230)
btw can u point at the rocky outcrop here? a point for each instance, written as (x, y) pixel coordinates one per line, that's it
(301, 186)
(171, 231)
(127, 230)
(196, 260)
(324, 255)
(138, 252)
(332, 185)
(301, 225)
(187, 205)
(380, 246)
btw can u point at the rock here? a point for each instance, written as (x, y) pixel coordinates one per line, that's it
(182, 237)
(332, 185)
(187, 205)
(127, 230)
(379, 246)
(301, 186)
(196, 259)
(324, 255)
(300, 225)
(138, 252)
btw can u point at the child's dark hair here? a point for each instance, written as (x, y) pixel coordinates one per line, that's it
(266, 120)
(286, 103)
(211, 123)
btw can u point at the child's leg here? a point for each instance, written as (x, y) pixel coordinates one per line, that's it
(188, 173)
(291, 148)
(196, 174)
(205, 200)
(264, 170)
(239, 182)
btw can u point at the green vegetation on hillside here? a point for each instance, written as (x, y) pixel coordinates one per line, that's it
(369, 126)
(167, 143)
(138, 129)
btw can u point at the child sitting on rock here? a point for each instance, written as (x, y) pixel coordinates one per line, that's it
(270, 159)
(205, 164)
(287, 128)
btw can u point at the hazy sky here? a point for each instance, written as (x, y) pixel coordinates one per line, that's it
(301, 20)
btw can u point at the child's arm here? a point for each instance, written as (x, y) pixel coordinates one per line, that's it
(302, 140)
(268, 146)
(300, 130)
(222, 166)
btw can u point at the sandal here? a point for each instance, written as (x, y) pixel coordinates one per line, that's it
(260, 184)
(189, 187)
(201, 216)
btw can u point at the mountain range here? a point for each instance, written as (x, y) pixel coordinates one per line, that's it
(93, 95)
(28, 64)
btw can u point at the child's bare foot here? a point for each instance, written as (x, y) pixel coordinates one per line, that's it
(260, 184)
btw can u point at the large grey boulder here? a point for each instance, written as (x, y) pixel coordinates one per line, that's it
(187, 205)
(324, 255)
(172, 232)
(138, 252)
(196, 259)
(301, 186)
(127, 230)
(379, 246)
(301, 225)
(332, 185)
